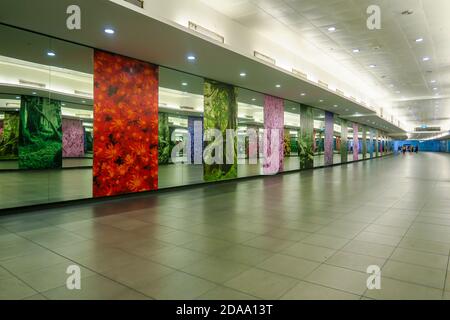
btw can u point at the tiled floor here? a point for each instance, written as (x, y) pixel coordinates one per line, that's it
(308, 235)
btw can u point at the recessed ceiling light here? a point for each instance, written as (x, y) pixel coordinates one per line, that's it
(34, 92)
(303, 94)
(253, 99)
(184, 84)
(278, 85)
(407, 12)
(83, 101)
(17, 97)
(435, 88)
(332, 29)
(191, 58)
(356, 50)
(372, 65)
(425, 58)
(433, 81)
(63, 104)
(242, 74)
(109, 31)
(51, 53)
(335, 106)
(419, 39)
(320, 100)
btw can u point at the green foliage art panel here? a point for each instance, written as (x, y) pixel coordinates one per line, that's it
(40, 141)
(9, 140)
(164, 144)
(220, 112)
(306, 140)
(287, 144)
(344, 141)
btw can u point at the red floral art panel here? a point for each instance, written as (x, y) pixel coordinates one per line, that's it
(125, 125)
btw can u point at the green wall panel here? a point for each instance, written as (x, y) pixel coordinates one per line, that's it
(9, 141)
(220, 112)
(344, 141)
(164, 144)
(40, 140)
(306, 138)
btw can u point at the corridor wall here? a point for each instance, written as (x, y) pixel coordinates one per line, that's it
(119, 125)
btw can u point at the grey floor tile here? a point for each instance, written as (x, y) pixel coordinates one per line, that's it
(392, 289)
(354, 261)
(310, 252)
(424, 245)
(378, 238)
(14, 289)
(268, 243)
(424, 276)
(325, 241)
(261, 284)
(216, 269)
(244, 254)
(339, 278)
(137, 273)
(177, 257)
(32, 262)
(310, 291)
(369, 248)
(224, 293)
(51, 277)
(421, 258)
(288, 266)
(94, 287)
(177, 286)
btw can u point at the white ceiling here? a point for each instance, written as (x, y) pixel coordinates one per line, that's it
(400, 70)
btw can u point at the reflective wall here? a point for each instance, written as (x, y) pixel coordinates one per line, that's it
(77, 123)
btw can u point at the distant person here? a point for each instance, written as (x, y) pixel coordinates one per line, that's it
(404, 150)
(416, 149)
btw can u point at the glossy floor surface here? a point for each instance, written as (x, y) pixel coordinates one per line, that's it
(31, 187)
(308, 235)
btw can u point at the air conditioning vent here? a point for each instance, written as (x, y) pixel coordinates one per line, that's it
(208, 33)
(83, 93)
(323, 84)
(427, 129)
(263, 57)
(139, 3)
(299, 73)
(31, 83)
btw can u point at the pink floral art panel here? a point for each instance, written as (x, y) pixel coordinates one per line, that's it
(355, 141)
(273, 135)
(73, 138)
